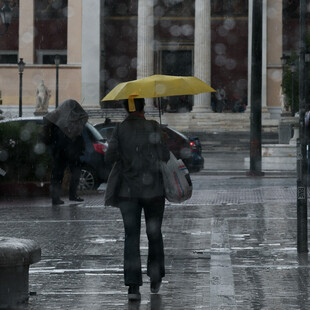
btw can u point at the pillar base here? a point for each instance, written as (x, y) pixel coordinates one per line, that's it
(255, 173)
(199, 109)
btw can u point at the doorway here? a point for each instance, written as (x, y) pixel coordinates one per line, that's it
(177, 62)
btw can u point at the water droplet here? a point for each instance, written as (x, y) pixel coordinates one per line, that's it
(220, 49)
(3, 155)
(25, 135)
(39, 148)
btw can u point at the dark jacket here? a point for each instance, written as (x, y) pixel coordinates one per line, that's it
(60, 145)
(138, 144)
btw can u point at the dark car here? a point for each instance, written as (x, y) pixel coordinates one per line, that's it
(187, 149)
(196, 150)
(24, 157)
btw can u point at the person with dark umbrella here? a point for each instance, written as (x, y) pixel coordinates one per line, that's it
(63, 135)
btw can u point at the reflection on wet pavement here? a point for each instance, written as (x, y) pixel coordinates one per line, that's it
(232, 246)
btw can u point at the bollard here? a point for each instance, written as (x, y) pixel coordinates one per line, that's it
(16, 255)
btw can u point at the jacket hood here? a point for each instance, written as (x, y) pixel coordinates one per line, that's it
(70, 117)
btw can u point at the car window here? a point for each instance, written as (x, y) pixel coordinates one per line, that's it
(175, 132)
(106, 132)
(93, 133)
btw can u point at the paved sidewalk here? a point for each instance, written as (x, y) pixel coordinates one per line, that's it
(232, 246)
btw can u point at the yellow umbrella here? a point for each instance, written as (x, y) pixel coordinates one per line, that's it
(158, 86)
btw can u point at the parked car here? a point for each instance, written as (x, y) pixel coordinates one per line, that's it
(24, 157)
(196, 151)
(187, 149)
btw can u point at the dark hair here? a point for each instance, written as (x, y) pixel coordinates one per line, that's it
(139, 103)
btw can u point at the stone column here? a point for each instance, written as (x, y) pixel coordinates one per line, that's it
(250, 16)
(274, 54)
(202, 54)
(145, 50)
(90, 53)
(264, 56)
(74, 50)
(145, 54)
(26, 31)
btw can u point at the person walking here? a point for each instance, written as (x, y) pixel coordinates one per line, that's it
(63, 131)
(139, 145)
(220, 99)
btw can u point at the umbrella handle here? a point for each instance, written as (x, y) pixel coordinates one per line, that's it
(159, 110)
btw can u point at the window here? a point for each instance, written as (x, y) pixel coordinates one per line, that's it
(8, 57)
(174, 8)
(51, 30)
(9, 39)
(229, 7)
(48, 56)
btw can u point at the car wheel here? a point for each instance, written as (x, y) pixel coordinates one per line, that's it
(88, 179)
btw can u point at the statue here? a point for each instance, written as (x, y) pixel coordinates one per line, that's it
(43, 95)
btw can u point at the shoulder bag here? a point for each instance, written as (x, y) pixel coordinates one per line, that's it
(177, 182)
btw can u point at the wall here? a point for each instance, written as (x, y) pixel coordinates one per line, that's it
(69, 83)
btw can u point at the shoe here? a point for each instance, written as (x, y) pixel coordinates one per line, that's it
(134, 293)
(155, 286)
(76, 198)
(57, 201)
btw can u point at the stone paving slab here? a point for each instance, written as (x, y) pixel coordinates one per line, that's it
(229, 247)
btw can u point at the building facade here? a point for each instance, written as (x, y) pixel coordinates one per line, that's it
(103, 43)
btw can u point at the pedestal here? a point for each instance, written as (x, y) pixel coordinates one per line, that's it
(16, 257)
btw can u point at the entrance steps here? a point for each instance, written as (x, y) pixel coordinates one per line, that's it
(216, 122)
(278, 157)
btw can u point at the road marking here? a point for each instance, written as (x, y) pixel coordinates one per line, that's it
(222, 289)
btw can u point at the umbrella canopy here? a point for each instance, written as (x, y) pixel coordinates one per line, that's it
(70, 117)
(158, 86)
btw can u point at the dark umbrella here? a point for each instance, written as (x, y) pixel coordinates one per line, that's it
(70, 117)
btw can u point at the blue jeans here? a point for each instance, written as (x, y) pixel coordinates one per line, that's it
(131, 210)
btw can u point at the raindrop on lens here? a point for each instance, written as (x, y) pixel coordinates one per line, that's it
(220, 49)
(175, 31)
(229, 24)
(276, 76)
(230, 64)
(39, 148)
(187, 30)
(160, 89)
(154, 137)
(4, 155)
(25, 135)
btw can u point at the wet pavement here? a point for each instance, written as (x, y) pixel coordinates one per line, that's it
(231, 246)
